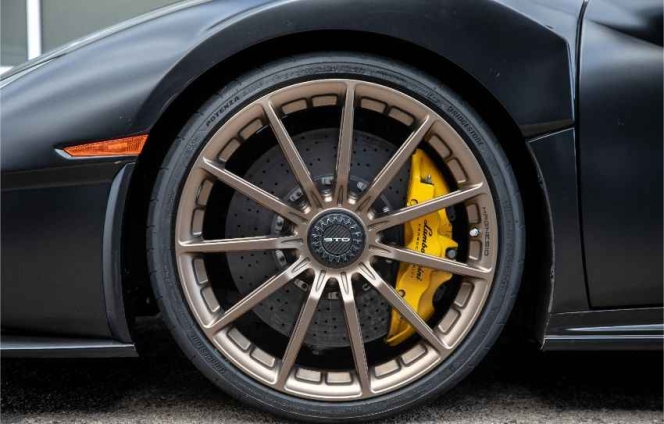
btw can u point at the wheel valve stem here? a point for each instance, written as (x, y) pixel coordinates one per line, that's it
(474, 232)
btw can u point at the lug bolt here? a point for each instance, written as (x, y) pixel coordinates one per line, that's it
(297, 194)
(281, 258)
(301, 284)
(474, 232)
(279, 224)
(451, 253)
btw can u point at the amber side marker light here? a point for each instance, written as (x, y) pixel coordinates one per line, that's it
(128, 146)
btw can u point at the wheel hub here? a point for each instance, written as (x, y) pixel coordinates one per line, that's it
(336, 239)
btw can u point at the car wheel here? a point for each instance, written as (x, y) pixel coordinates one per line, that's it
(291, 232)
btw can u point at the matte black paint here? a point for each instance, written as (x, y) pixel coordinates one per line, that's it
(620, 151)
(120, 84)
(640, 328)
(59, 347)
(555, 156)
(112, 254)
(604, 342)
(522, 52)
(52, 236)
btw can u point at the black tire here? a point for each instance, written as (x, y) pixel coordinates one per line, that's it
(228, 101)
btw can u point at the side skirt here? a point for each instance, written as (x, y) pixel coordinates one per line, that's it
(619, 329)
(59, 347)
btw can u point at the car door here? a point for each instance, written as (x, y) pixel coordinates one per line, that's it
(620, 151)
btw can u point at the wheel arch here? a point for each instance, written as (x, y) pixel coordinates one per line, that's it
(174, 117)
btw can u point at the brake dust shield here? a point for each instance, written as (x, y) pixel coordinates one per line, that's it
(430, 234)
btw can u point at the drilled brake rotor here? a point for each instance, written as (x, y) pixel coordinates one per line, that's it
(245, 218)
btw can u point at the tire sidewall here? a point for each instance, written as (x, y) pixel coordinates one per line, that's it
(203, 124)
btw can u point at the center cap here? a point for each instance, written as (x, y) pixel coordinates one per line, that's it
(336, 239)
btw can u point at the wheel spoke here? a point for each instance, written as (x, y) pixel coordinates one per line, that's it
(243, 244)
(301, 327)
(406, 311)
(429, 261)
(409, 213)
(345, 148)
(293, 157)
(253, 192)
(320, 244)
(258, 295)
(396, 162)
(355, 333)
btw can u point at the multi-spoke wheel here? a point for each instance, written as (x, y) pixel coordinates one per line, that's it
(278, 234)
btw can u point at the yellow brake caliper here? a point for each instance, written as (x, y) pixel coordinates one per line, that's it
(431, 234)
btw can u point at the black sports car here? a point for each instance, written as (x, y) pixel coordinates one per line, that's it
(334, 205)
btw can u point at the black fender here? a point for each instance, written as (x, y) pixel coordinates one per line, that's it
(120, 83)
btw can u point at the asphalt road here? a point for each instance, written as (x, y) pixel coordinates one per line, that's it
(515, 384)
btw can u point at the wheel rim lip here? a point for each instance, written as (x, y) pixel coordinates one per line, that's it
(246, 359)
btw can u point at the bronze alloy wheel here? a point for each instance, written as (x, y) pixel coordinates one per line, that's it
(288, 232)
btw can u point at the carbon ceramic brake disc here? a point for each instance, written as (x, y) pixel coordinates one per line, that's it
(271, 173)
